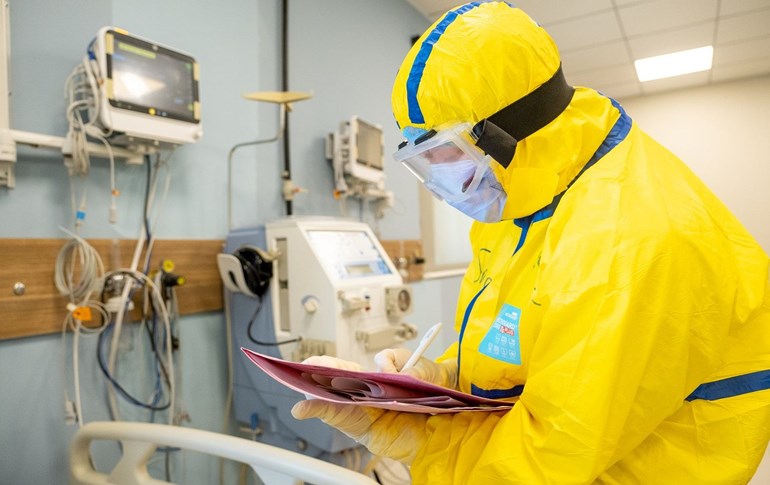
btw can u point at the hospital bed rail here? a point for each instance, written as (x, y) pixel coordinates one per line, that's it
(274, 466)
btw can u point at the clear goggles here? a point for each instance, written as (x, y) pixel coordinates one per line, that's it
(447, 161)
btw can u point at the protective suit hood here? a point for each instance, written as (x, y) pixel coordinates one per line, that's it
(480, 58)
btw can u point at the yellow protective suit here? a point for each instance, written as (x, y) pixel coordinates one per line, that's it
(638, 341)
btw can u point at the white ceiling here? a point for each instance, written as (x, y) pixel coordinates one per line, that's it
(600, 39)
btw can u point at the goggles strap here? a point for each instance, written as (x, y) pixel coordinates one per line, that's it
(498, 134)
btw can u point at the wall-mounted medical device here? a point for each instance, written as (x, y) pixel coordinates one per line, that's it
(148, 93)
(333, 291)
(357, 151)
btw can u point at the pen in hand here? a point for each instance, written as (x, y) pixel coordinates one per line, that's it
(427, 339)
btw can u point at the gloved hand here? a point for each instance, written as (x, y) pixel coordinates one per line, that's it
(333, 362)
(386, 433)
(443, 374)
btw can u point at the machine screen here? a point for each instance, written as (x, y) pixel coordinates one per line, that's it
(152, 79)
(348, 254)
(369, 145)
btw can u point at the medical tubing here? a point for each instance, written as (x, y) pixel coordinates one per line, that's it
(92, 106)
(91, 270)
(145, 214)
(123, 302)
(152, 335)
(76, 373)
(155, 293)
(118, 327)
(69, 322)
(77, 93)
(122, 307)
(229, 398)
(113, 210)
(121, 390)
(158, 208)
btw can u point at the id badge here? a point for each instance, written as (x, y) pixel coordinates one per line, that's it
(502, 339)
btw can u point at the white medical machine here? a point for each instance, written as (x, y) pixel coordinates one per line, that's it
(148, 92)
(337, 290)
(333, 291)
(356, 151)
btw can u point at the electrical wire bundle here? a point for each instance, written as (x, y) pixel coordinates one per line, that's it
(82, 93)
(79, 273)
(159, 338)
(159, 334)
(89, 272)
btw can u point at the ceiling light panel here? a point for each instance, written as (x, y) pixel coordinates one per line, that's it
(674, 64)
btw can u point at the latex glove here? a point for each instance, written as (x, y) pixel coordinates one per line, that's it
(333, 362)
(386, 433)
(443, 374)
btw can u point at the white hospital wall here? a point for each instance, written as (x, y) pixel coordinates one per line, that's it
(722, 132)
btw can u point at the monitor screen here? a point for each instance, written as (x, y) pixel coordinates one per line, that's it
(369, 145)
(348, 254)
(151, 79)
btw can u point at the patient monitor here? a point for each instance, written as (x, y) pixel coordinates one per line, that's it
(148, 92)
(333, 291)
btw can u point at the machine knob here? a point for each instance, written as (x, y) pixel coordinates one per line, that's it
(311, 304)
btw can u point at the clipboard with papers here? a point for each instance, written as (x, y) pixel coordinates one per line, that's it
(399, 392)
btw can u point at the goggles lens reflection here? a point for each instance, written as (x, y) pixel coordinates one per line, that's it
(446, 163)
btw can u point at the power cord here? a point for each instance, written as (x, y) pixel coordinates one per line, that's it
(74, 409)
(82, 93)
(91, 269)
(259, 342)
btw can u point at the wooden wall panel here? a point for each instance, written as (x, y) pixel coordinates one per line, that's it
(41, 310)
(407, 256)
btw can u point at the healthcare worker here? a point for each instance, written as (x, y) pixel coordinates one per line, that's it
(633, 304)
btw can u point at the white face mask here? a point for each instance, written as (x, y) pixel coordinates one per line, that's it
(453, 177)
(482, 201)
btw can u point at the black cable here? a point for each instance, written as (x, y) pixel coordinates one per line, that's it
(146, 215)
(118, 387)
(168, 468)
(153, 346)
(258, 342)
(285, 87)
(148, 163)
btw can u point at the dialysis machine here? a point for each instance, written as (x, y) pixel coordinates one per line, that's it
(333, 291)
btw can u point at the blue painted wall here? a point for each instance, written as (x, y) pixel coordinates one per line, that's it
(345, 51)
